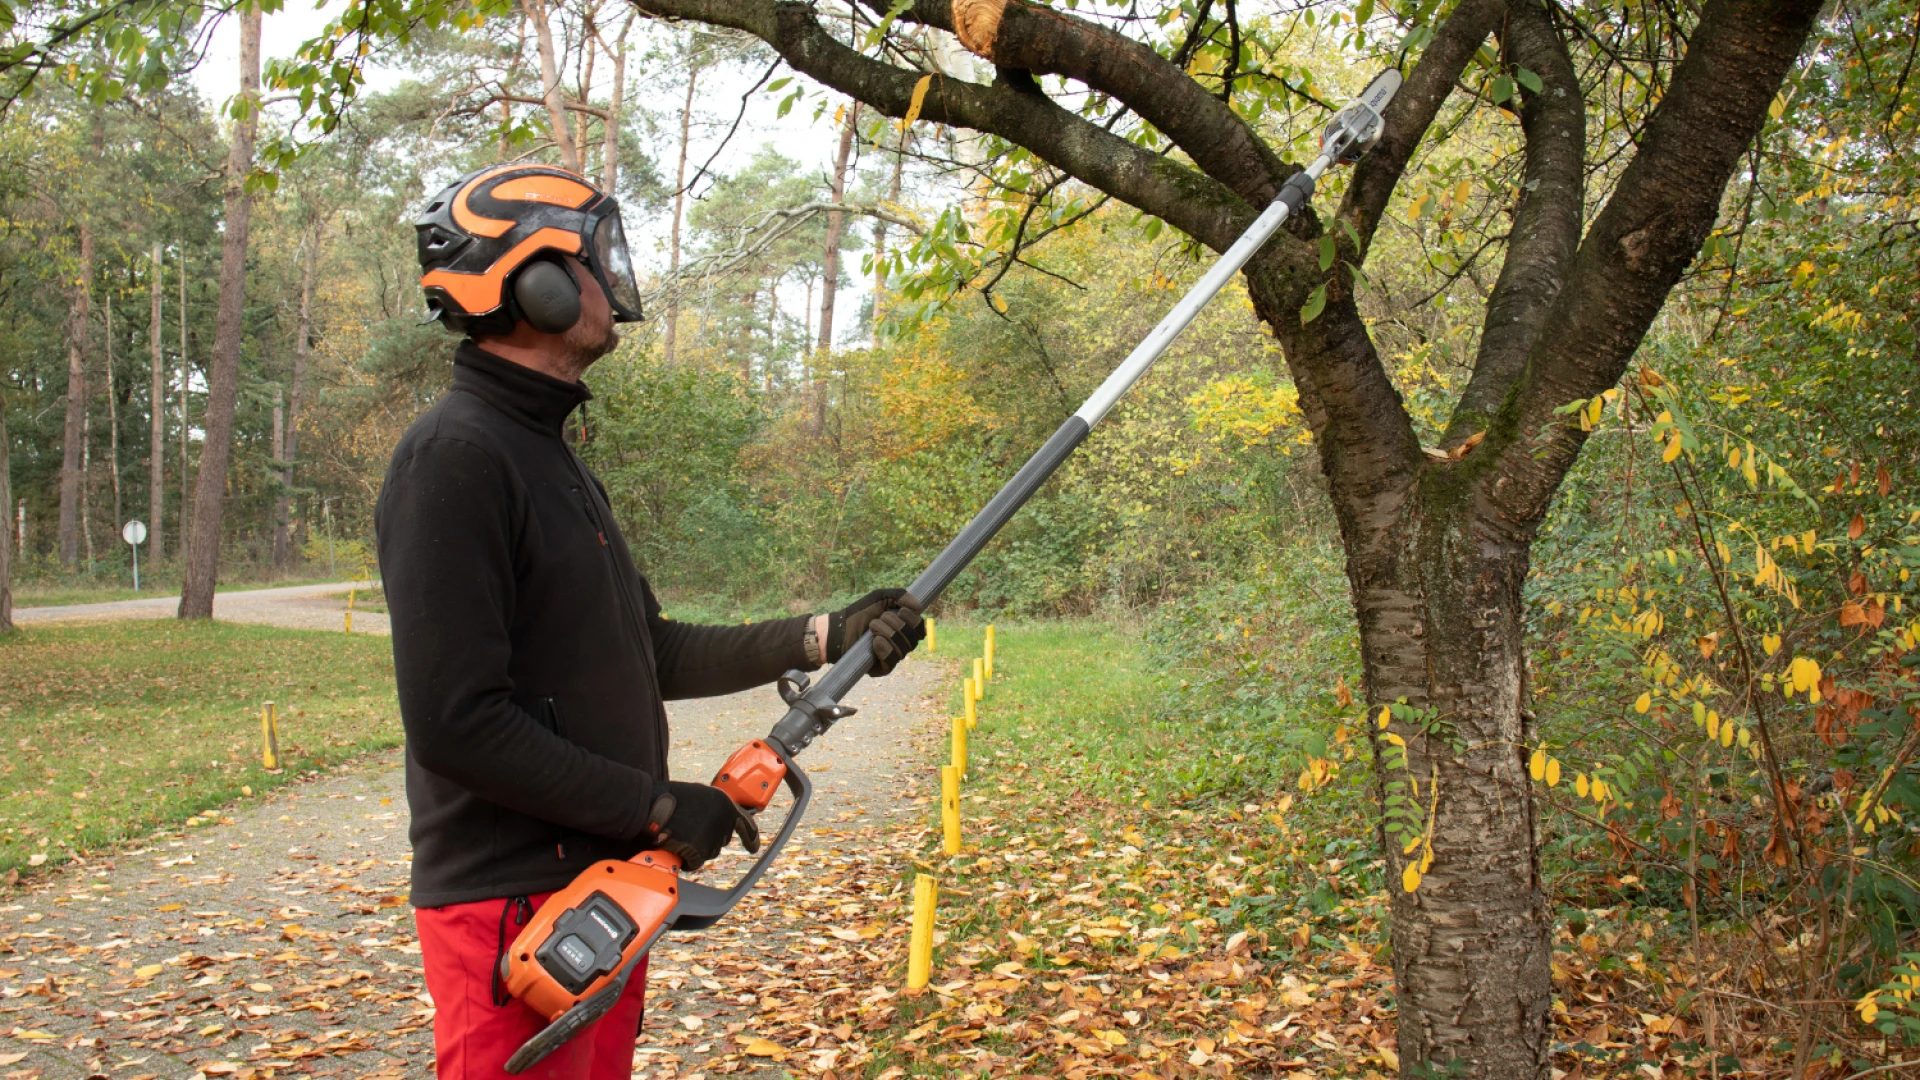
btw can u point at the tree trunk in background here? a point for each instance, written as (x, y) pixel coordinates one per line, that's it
(836, 230)
(610, 138)
(113, 423)
(223, 374)
(536, 10)
(288, 448)
(6, 534)
(671, 335)
(186, 386)
(86, 483)
(880, 236)
(280, 475)
(156, 418)
(76, 406)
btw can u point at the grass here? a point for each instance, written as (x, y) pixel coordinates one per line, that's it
(110, 730)
(1122, 849)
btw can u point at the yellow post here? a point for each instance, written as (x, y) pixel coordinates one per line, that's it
(950, 808)
(979, 677)
(920, 945)
(970, 694)
(931, 640)
(350, 593)
(989, 652)
(269, 737)
(960, 745)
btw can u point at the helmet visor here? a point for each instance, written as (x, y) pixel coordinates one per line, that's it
(614, 267)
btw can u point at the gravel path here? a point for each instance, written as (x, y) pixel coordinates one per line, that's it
(299, 607)
(276, 941)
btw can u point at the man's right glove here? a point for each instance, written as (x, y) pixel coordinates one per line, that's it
(695, 821)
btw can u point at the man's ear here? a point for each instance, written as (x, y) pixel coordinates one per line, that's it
(548, 297)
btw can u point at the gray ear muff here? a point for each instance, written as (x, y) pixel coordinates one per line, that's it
(548, 297)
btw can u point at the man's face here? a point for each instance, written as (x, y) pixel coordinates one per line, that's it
(594, 335)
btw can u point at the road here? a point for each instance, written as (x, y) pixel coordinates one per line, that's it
(298, 607)
(273, 939)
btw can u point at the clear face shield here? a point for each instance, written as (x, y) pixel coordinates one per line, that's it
(611, 263)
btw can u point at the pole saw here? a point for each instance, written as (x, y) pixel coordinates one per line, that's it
(574, 958)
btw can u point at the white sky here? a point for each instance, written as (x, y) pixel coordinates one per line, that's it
(796, 135)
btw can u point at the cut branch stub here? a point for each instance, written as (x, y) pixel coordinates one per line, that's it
(976, 23)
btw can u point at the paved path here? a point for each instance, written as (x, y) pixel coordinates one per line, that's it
(300, 607)
(276, 941)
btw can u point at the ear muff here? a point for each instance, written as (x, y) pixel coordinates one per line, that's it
(548, 297)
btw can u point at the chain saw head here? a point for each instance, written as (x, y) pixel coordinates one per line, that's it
(1355, 129)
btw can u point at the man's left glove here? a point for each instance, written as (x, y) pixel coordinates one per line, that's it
(894, 618)
(695, 821)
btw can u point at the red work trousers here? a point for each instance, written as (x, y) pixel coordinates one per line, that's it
(460, 945)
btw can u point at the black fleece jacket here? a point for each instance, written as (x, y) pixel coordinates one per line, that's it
(531, 655)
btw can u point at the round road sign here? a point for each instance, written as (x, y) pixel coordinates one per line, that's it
(135, 532)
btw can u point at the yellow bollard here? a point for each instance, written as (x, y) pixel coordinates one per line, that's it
(971, 695)
(979, 677)
(988, 651)
(931, 641)
(269, 737)
(920, 945)
(960, 745)
(350, 593)
(950, 808)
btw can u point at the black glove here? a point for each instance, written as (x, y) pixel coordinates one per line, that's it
(894, 618)
(695, 821)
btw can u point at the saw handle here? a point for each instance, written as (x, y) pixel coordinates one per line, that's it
(751, 776)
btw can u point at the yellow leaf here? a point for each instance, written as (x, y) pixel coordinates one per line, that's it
(1643, 703)
(1553, 772)
(171, 907)
(1713, 725)
(1410, 878)
(1726, 733)
(1733, 458)
(1598, 789)
(1462, 192)
(1592, 416)
(999, 304)
(1386, 715)
(147, 972)
(764, 1048)
(1419, 206)
(1537, 768)
(1770, 643)
(919, 99)
(1777, 110)
(1673, 449)
(1580, 785)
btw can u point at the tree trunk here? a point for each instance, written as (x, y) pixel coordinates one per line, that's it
(186, 387)
(280, 476)
(550, 93)
(670, 336)
(156, 418)
(288, 448)
(880, 236)
(6, 546)
(836, 229)
(113, 423)
(610, 138)
(223, 374)
(70, 452)
(86, 483)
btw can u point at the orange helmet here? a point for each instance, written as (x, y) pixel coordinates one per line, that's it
(489, 224)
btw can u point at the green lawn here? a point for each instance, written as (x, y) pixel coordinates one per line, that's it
(111, 730)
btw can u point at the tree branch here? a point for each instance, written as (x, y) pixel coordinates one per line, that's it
(1649, 231)
(1546, 224)
(1196, 204)
(1413, 110)
(1045, 41)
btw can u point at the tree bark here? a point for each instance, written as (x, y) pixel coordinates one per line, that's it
(880, 236)
(550, 92)
(610, 145)
(6, 534)
(156, 417)
(113, 423)
(70, 449)
(836, 229)
(287, 448)
(223, 373)
(670, 337)
(280, 477)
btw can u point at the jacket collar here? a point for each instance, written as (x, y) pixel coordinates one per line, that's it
(539, 401)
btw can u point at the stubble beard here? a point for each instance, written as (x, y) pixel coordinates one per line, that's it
(584, 344)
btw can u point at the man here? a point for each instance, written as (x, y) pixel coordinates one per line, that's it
(531, 655)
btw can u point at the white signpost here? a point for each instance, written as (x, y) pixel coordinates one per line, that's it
(135, 534)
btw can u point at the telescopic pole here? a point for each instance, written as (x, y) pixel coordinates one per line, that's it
(1353, 130)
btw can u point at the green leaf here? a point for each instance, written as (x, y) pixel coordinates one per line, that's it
(1353, 234)
(1316, 303)
(1327, 248)
(1362, 13)
(1502, 90)
(1529, 80)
